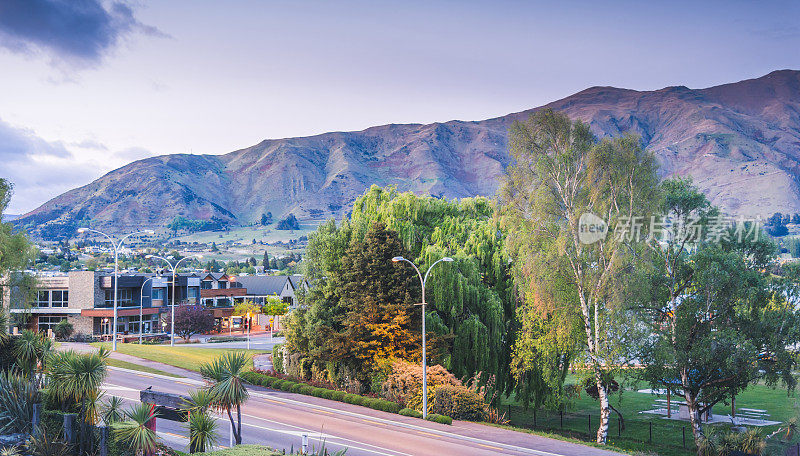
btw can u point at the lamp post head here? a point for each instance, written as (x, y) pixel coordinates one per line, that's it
(448, 259)
(150, 231)
(82, 230)
(397, 259)
(148, 257)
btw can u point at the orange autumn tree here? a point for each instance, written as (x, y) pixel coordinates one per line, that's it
(380, 319)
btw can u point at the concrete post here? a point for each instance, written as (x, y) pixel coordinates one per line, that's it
(69, 428)
(305, 443)
(103, 440)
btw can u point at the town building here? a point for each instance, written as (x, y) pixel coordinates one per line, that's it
(86, 299)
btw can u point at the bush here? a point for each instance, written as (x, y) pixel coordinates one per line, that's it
(351, 398)
(251, 377)
(389, 406)
(306, 390)
(338, 396)
(405, 380)
(440, 418)
(63, 330)
(296, 388)
(277, 358)
(410, 412)
(319, 392)
(459, 402)
(327, 394)
(282, 385)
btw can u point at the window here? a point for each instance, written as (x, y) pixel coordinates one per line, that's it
(49, 322)
(205, 285)
(223, 284)
(43, 298)
(60, 298)
(158, 294)
(124, 297)
(193, 292)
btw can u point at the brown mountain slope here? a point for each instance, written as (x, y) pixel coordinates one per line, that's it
(740, 142)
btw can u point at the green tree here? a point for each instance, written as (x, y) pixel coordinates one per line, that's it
(16, 253)
(265, 261)
(718, 320)
(559, 173)
(228, 387)
(379, 321)
(470, 305)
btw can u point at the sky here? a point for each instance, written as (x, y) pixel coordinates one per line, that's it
(87, 86)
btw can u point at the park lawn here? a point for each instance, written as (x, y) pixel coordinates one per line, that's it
(667, 435)
(132, 366)
(190, 358)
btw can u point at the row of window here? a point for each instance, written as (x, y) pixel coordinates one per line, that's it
(49, 322)
(52, 298)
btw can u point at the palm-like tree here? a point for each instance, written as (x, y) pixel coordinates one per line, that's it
(77, 378)
(140, 438)
(112, 410)
(202, 426)
(227, 386)
(30, 350)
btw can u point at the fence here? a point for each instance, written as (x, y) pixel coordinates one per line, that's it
(583, 425)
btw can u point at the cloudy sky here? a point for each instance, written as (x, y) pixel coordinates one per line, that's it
(89, 85)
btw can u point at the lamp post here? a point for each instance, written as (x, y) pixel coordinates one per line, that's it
(141, 306)
(423, 280)
(117, 246)
(248, 330)
(174, 268)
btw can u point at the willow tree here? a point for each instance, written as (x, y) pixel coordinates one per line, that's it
(470, 310)
(560, 194)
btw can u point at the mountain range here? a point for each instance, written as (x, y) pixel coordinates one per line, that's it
(739, 142)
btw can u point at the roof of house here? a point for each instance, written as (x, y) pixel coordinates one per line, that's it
(264, 285)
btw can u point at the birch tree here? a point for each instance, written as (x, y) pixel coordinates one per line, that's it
(559, 174)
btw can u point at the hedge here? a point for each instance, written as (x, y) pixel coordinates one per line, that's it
(376, 403)
(439, 418)
(410, 412)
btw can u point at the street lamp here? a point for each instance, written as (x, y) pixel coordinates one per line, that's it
(174, 268)
(117, 246)
(423, 280)
(141, 306)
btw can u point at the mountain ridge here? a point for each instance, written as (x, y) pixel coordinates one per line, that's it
(721, 136)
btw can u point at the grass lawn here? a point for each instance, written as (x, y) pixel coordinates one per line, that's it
(184, 357)
(242, 450)
(132, 366)
(580, 421)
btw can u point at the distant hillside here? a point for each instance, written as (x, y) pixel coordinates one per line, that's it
(10, 217)
(740, 142)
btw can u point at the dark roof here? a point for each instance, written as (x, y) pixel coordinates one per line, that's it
(263, 285)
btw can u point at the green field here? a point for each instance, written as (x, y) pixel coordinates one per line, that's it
(581, 419)
(126, 365)
(184, 357)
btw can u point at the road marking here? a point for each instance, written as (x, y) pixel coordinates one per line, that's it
(427, 433)
(371, 422)
(490, 447)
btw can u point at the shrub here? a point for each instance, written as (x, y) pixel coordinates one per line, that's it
(285, 385)
(410, 412)
(63, 330)
(327, 394)
(352, 398)
(277, 358)
(389, 406)
(318, 392)
(338, 396)
(405, 380)
(252, 377)
(306, 390)
(440, 418)
(296, 388)
(268, 381)
(459, 402)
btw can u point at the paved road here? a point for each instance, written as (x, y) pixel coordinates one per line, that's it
(279, 419)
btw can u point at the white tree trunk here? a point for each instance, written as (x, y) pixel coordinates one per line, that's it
(605, 409)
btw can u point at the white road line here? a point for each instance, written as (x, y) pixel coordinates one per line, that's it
(370, 418)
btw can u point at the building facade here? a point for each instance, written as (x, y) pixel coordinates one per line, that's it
(86, 299)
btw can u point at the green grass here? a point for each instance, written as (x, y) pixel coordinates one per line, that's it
(242, 450)
(132, 366)
(183, 357)
(667, 434)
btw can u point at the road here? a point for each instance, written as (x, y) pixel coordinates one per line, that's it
(279, 419)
